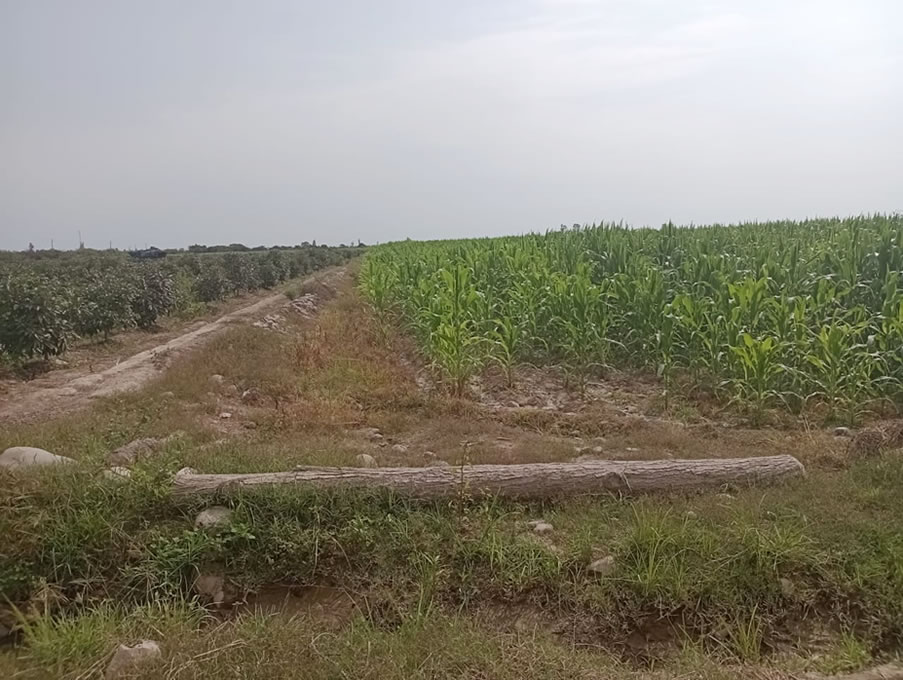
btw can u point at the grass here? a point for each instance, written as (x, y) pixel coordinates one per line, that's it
(440, 589)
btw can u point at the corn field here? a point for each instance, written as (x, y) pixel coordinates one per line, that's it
(786, 314)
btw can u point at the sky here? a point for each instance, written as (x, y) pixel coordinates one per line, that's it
(172, 122)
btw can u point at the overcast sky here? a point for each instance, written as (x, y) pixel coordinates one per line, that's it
(170, 122)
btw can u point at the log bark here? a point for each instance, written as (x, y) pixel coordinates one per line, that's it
(536, 480)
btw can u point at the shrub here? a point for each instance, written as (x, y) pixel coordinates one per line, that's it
(211, 284)
(33, 318)
(102, 302)
(154, 297)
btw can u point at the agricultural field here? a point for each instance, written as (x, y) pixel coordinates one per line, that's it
(802, 316)
(49, 299)
(574, 347)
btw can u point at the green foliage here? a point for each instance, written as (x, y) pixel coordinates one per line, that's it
(211, 284)
(102, 302)
(34, 319)
(796, 314)
(51, 297)
(155, 296)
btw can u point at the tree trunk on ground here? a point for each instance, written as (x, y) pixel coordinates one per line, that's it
(890, 671)
(537, 480)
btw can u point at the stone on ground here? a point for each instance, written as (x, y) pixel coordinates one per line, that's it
(217, 379)
(214, 517)
(211, 588)
(250, 396)
(541, 527)
(126, 658)
(117, 473)
(365, 460)
(602, 566)
(131, 453)
(26, 456)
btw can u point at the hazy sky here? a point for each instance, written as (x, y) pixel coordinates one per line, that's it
(170, 122)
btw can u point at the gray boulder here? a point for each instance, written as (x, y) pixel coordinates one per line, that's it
(603, 566)
(211, 588)
(127, 658)
(540, 526)
(26, 456)
(214, 517)
(365, 460)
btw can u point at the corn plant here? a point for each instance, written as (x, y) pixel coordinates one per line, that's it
(739, 308)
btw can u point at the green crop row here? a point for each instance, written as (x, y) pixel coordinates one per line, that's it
(46, 303)
(772, 314)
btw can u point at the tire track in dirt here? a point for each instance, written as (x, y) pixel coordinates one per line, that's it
(30, 403)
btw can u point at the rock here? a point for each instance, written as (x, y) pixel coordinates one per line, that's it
(167, 395)
(26, 456)
(724, 497)
(788, 590)
(842, 432)
(631, 449)
(117, 473)
(231, 390)
(211, 587)
(365, 460)
(429, 455)
(542, 527)
(399, 448)
(371, 433)
(250, 425)
(59, 363)
(217, 379)
(131, 453)
(214, 517)
(250, 396)
(186, 471)
(689, 514)
(225, 415)
(439, 463)
(602, 566)
(127, 658)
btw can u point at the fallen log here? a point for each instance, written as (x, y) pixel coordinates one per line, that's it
(535, 480)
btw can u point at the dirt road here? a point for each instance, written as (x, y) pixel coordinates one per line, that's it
(30, 401)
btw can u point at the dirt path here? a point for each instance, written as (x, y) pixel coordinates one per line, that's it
(30, 401)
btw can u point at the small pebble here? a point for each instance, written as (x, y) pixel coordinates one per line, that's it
(225, 415)
(543, 528)
(365, 460)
